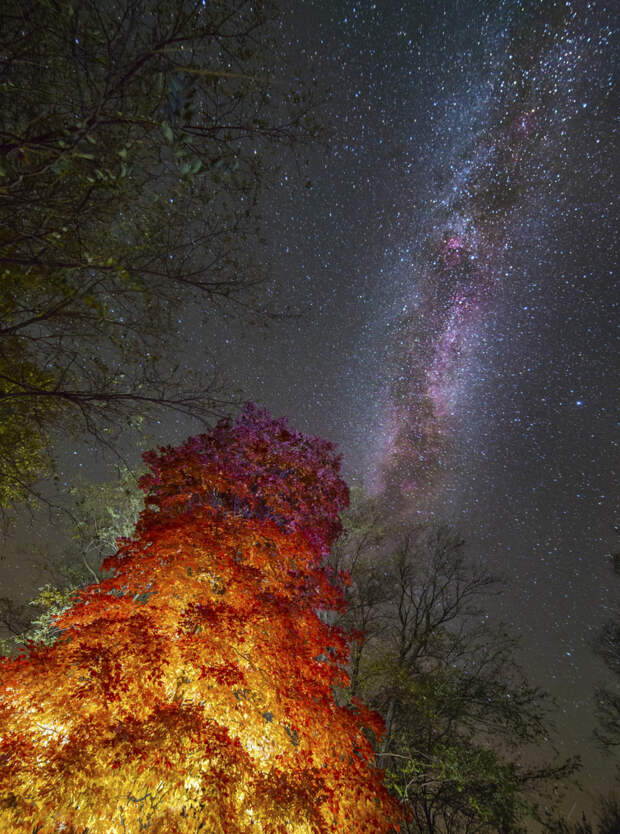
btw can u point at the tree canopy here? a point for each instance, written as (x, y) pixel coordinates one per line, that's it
(135, 139)
(194, 687)
(463, 724)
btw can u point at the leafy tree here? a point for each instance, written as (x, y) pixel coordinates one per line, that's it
(461, 721)
(192, 689)
(105, 512)
(135, 139)
(102, 513)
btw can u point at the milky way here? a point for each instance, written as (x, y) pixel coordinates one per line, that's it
(467, 244)
(460, 250)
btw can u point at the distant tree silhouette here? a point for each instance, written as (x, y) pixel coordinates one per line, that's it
(460, 717)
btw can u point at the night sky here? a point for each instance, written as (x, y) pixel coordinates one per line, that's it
(452, 254)
(454, 257)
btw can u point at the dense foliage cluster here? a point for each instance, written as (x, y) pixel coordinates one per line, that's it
(194, 687)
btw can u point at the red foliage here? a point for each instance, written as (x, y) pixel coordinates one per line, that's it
(194, 689)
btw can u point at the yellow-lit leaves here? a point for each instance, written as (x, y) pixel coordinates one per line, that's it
(194, 688)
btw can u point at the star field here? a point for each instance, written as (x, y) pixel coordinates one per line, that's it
(455, 256)
(450, 249)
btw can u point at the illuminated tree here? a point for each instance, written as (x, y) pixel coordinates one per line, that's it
(193, 689)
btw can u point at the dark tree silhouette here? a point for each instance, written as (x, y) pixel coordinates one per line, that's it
(462, 722)
(135, 140)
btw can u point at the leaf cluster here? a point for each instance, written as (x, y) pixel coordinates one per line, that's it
(193, 688)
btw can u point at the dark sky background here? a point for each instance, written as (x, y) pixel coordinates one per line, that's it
(453, 257)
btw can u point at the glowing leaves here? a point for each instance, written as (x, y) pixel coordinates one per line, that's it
(194, 687)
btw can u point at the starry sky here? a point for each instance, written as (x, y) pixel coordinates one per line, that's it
(453, 253)
(450, 250)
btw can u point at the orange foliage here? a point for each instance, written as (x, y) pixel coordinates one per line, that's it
(193, 689)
